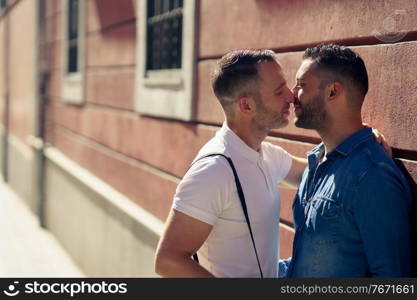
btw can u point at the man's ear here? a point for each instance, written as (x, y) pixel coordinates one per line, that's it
(246, 105)
(334, 90)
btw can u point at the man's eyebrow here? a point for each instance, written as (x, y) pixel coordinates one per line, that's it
(280, 86)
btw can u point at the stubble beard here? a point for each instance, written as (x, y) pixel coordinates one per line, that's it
(313, 115)
(265, 120)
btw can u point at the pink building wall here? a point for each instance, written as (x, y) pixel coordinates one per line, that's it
(145, 157)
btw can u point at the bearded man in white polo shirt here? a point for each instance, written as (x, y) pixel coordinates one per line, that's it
(207, 215)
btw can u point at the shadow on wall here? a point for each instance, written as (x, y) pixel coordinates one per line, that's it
(413, 216)
(110, 12)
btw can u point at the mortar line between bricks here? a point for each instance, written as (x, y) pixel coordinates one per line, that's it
(404, 154)
(110, 27)
(118, 155)
(348, 42)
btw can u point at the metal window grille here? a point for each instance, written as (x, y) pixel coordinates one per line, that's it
(164, 34)
(73, 11)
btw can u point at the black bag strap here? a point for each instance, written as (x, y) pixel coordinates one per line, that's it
(242, 202)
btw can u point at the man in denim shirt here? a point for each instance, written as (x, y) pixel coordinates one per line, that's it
(351, 211)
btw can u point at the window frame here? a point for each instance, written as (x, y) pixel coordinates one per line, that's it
(72, 88)
(166, 93)
(3, 6)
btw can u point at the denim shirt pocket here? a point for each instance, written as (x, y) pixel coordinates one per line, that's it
(328, 208)
(323, 220)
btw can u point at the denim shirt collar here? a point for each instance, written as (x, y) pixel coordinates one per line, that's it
(314, 156)
(344, 149)
(349, 144)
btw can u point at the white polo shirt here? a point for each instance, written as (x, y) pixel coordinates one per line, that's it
(208, 193)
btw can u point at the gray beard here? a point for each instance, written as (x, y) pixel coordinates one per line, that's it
(261, 121)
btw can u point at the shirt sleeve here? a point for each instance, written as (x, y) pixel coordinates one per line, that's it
(204, 191)
(281, 160)
(283, 266)
(381, 209)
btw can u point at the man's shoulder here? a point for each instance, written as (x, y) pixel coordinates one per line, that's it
(371, 155)
(214, 145)
(374, 176)
(213, 168)
(372, 160)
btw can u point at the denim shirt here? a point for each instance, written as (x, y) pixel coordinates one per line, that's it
(351, 213)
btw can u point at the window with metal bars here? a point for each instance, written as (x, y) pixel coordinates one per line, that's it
(73, 39)
(164, 34)
(166, 58)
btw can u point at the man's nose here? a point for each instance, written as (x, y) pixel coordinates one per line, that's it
(290, 96)
(294, 90)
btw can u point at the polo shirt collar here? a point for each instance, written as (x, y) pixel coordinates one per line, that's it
(238, 145)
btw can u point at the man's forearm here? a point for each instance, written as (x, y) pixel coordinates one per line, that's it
(295, 173)
(180, 267)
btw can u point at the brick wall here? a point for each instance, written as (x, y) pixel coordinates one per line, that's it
(145, 157)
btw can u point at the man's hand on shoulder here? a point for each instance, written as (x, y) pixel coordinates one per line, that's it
(380, 139)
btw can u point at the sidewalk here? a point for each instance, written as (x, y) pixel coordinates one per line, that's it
(27, 250)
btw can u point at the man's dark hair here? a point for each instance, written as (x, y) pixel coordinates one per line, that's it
(341, 64)
(236, 75)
